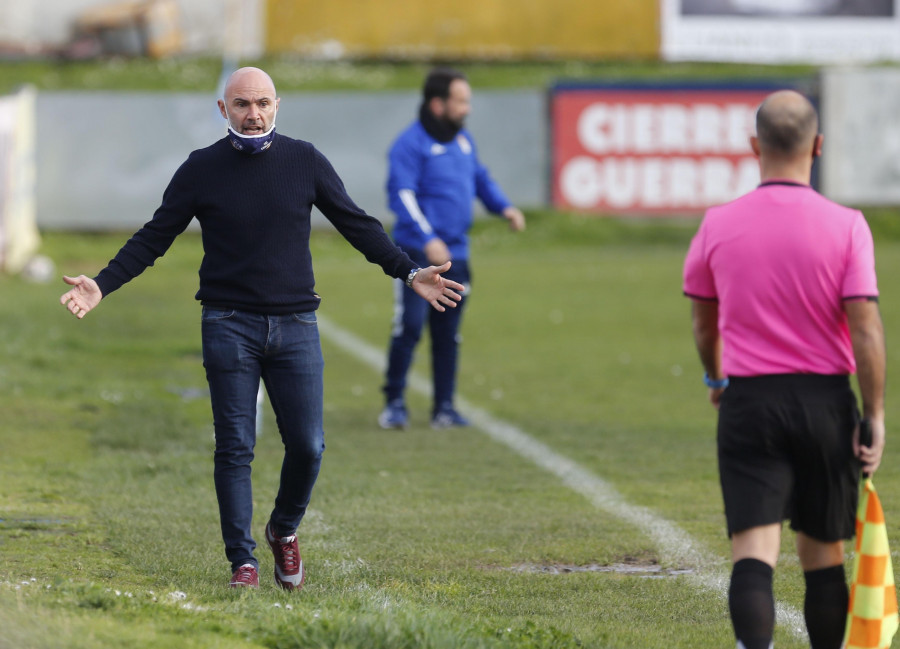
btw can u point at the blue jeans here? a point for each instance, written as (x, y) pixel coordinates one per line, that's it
(239, 349)
(411, 313)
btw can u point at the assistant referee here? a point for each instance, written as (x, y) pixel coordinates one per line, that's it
(784, 308)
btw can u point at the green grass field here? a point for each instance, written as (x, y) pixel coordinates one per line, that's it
(577, 336)
(290, 74)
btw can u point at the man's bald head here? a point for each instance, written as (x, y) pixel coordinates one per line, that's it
(786, 125)
(249, 78)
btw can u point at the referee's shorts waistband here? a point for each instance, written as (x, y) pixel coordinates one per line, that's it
(791, 381)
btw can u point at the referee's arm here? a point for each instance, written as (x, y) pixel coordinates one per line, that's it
(867, 334)
(705, 320)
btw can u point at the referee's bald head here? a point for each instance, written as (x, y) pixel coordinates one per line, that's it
(786, 125)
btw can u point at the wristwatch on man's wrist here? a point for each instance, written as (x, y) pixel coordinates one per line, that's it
(411, 276)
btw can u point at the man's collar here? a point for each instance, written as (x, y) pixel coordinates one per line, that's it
(776, 181)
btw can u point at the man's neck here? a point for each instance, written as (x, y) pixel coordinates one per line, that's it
(799, 174)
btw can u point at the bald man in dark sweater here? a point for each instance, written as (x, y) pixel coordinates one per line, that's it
(252, 193)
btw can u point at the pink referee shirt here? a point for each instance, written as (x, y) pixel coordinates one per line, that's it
(780, 260)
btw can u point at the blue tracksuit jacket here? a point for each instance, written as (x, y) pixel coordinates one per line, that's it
(431, 188)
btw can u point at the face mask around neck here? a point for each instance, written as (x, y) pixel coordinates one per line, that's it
(251, 144)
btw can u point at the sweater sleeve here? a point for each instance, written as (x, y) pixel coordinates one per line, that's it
(154, 238)
(364, 232)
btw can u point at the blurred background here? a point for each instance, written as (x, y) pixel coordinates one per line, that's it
(629, 109)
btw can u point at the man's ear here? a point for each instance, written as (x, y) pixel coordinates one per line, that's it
(222, 108)
(754, 145)
(817, 145)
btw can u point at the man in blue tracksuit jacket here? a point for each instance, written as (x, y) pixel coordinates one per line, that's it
(433, 180)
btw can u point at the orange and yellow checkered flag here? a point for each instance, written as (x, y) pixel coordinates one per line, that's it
(872, 619)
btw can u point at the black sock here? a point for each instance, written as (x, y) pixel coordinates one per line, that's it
(752, 603)
(825, 607)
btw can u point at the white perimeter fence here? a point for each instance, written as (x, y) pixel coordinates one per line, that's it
(54, 177)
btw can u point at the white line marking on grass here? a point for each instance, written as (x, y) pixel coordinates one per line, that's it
(676, 547)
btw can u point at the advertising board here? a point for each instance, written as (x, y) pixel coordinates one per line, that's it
(781, 31)
(661, 150)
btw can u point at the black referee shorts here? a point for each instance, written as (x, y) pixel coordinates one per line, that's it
(786, 452)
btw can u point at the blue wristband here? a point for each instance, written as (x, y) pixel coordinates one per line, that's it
(715, 384)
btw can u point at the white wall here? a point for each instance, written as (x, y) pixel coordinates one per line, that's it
(35, 26)
(116, 181)
(861, 161)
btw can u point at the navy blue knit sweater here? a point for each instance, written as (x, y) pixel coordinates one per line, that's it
(254, 214)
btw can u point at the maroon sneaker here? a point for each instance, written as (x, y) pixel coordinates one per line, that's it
(289, 573)
(246, 575)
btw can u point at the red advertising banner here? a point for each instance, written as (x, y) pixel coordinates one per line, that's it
(655, 151)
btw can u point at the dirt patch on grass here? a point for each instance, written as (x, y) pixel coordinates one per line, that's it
(627, 566)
